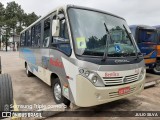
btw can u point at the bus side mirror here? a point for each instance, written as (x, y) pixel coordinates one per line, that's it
(55, 28)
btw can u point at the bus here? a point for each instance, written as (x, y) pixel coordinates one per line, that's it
(87, 56)
(146, 38)
(158, 49)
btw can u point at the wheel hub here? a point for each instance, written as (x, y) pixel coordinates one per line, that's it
(157, 67)
(57, 91)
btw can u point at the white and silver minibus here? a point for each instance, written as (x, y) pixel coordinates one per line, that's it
(87, 56)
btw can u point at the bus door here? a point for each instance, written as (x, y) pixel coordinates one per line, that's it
(60, 44)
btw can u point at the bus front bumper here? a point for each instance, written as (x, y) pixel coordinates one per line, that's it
(89, 95)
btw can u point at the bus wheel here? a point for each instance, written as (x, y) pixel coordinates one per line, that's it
(57, 92)
(156, 69)
(6, 93)
(29, 74)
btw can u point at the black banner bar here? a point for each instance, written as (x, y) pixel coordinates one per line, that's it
(80, 114)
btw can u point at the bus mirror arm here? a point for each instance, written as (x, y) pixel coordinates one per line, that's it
(55, 28)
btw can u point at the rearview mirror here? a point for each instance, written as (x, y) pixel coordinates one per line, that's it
(61, 17)
(55, 28)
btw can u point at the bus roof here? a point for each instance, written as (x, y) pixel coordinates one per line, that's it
(143, 27)
(67, 6)
(157, 26)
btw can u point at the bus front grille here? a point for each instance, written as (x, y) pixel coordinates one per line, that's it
(111, 81)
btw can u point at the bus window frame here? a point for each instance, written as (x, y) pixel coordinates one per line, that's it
(41, 23)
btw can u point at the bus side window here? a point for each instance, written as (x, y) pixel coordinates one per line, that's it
(63, 30)
(62, 42)
(33, 36)
(28, 38)
(46, 35)
(37, 35)
(22, 43)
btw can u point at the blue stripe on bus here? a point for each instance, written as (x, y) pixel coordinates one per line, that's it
(30, 58)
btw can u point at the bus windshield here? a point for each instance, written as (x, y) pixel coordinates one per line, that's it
(92, 39)
(146, 35)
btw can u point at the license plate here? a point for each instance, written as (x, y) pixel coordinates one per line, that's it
(125, 90)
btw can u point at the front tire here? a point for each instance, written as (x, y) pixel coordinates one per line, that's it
(57, 92)
(156, 69)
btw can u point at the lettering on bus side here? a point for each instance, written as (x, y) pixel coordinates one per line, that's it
(56, 63)
(112, 74)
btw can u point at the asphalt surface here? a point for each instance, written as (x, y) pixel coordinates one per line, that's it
(31, 90)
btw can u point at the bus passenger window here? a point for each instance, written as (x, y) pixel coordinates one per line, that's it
(28, 38)
(33, 36)
(22, 43)
(46, 36)
(38, 34)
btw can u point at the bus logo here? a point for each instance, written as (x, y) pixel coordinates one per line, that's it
(117, 48)
(122, 61)
(124, 80)
(111, 74)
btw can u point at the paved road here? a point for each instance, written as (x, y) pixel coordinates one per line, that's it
(30, 91)
(27, 90)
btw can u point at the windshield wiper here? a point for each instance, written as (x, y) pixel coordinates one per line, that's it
(129, 35)
(106, 47)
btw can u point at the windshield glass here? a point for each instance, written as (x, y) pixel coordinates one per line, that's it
(91, 37)
(147, 35)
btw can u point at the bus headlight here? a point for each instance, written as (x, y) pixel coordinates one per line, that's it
(87, 73)
(142, 73)
(93, 77)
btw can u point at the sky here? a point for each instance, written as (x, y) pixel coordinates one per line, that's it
(145, 12)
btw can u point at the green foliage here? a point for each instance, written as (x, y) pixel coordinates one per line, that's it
(1, 14)
(14, 18)
(30, 18)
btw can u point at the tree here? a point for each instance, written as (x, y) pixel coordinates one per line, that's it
(14, 19)
(1, 14)
(30, 18)
(1, 21)
(14, 15)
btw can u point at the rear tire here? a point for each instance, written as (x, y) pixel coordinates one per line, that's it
(57, 92)
(29, 74)
(156, 69)
(6, 93)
